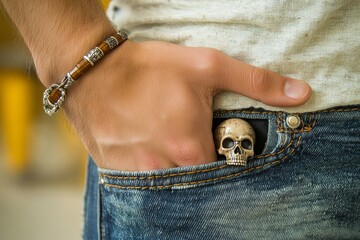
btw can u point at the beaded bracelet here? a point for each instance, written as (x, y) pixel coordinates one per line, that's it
(54, 96)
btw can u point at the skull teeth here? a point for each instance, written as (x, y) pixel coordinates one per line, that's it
(237, 160)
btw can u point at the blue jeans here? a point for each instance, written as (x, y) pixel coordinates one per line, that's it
(304, 185)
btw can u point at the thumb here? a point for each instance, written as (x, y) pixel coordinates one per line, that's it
(260, 84)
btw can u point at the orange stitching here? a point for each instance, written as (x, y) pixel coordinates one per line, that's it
(341, 110)
(315, 120)
(192, 172)
(189, 173)
(165, 176)
(198, 182)
(276, 153)
(279, 121)
(207, 180)
(299, 140)
(102, 230)
(307, 128)
(276, 112)
(217, 112)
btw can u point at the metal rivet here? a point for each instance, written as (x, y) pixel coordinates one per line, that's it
(293, 121)
(102, 181)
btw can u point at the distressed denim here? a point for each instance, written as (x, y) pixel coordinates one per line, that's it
(305, 184)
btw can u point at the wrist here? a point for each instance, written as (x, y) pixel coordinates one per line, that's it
(54, 96)
(63, 52)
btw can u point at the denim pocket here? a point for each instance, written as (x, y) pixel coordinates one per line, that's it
(282, 142)
(150, 204)
(303, 185)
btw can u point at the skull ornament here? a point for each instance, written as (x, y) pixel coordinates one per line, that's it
(235, 139)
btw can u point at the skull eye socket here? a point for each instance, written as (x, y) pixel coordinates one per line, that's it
(246, 144)
(228, 143)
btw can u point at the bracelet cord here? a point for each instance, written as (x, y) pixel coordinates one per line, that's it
(54, 96)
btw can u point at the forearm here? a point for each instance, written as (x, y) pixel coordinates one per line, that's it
(58, 33)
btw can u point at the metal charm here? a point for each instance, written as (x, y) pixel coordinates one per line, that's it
(94, 55)
(112, 42)
(123, 34)
(68, 81)
(53, 97)
(235, 139)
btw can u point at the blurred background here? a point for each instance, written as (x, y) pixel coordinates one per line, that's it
(42, 163)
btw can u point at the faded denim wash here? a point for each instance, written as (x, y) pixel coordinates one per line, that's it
(304, 185)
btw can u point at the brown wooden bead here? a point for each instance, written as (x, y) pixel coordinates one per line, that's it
(104, 47)
(75, 73)
(80, 69)
(55, 95)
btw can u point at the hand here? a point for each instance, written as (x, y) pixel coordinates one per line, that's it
(145, 105)
(149, 105)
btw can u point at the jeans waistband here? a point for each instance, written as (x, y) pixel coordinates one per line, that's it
(284, 141)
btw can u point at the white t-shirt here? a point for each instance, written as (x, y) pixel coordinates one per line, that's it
(314, 40)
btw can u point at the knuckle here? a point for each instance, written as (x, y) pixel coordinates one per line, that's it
(208, 61)
(259, 81)
(185, 152)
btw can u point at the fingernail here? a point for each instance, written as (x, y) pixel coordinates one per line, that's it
(296, 89)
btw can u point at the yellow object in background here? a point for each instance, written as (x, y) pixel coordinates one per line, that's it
(16, 104)
(105, 3)
(19, 112)
(52, 159)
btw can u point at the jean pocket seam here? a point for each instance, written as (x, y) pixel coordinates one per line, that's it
(290, 148)
(151, 177)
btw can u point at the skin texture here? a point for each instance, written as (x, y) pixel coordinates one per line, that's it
(145, 105)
